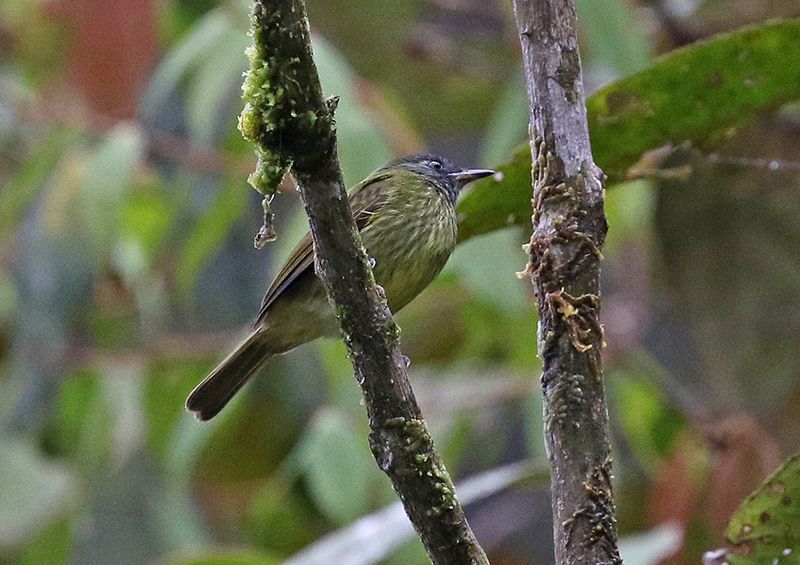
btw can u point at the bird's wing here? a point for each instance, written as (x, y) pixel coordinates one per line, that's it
(366, 198)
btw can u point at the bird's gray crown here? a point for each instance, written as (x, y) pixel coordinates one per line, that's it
(438, 170)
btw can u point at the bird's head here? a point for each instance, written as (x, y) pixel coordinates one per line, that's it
(440, 172)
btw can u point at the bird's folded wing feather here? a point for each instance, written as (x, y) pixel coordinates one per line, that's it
(366, 198)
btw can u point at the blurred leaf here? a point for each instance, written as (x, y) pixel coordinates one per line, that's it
(493, 334)
(122, 390)
(210, 88)
(651, 547)
(148, 287)
(22, 188)
(534, 427)
(696, 93)
(84, 421)
(488, 267)
(202, 39)
(497, 202)
(166, 385)
(508, 126)
(49, 547)
(766, 527)
(378, 535)
(177, 439)
(175, 18)
(339, 466)
(147, 216)
(130, 261)
(692, 94)
(454, 444)
(410, 553)
(614, 37)
(740, 258)
(407, 50)
(107, 178)
(341, 391)
(209, 232)
(282, 518)
(119, 520)
(34, 490)
(179, 524)
(361, 147)
(630, 208)
(188, 440)
(59, 210)
(8, 297)
(243, 444)
(222, 557)
(649, 422)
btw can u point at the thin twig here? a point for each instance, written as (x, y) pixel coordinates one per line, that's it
(293, 127)
(569, 227)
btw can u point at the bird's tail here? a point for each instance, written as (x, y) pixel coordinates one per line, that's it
(214, 392)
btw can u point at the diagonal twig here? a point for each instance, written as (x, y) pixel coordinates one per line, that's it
(293, 128)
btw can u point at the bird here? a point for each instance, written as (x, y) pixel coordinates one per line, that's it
(405, 214)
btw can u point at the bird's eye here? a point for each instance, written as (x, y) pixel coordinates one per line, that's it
(436, 165)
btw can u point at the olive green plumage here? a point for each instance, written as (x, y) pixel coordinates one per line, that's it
(405, 212)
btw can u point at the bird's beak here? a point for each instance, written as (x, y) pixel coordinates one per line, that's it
(468, 175)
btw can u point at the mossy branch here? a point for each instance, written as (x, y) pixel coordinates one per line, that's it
(569, 227)
(293, 128)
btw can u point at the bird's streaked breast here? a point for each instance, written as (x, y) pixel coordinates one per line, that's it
(410, 240)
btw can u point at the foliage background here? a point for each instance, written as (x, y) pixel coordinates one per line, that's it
(126, 271)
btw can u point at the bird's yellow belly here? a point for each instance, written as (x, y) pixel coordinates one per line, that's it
(404, 267)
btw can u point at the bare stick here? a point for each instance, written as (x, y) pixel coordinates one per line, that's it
(294, 128)
(569, 227)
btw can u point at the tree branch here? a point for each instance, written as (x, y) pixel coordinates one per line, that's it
(569, 227)
(293, 127)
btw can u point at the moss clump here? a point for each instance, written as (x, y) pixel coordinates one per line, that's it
(284, 114)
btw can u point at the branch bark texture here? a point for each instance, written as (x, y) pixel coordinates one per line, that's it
(293, 127)
(569, 227)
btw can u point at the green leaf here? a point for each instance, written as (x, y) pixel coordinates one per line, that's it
(209, 232)
(766, 527)
(698, 93)
(339, 467)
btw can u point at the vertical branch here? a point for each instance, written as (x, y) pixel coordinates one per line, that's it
(569, 227)
(293, 128)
